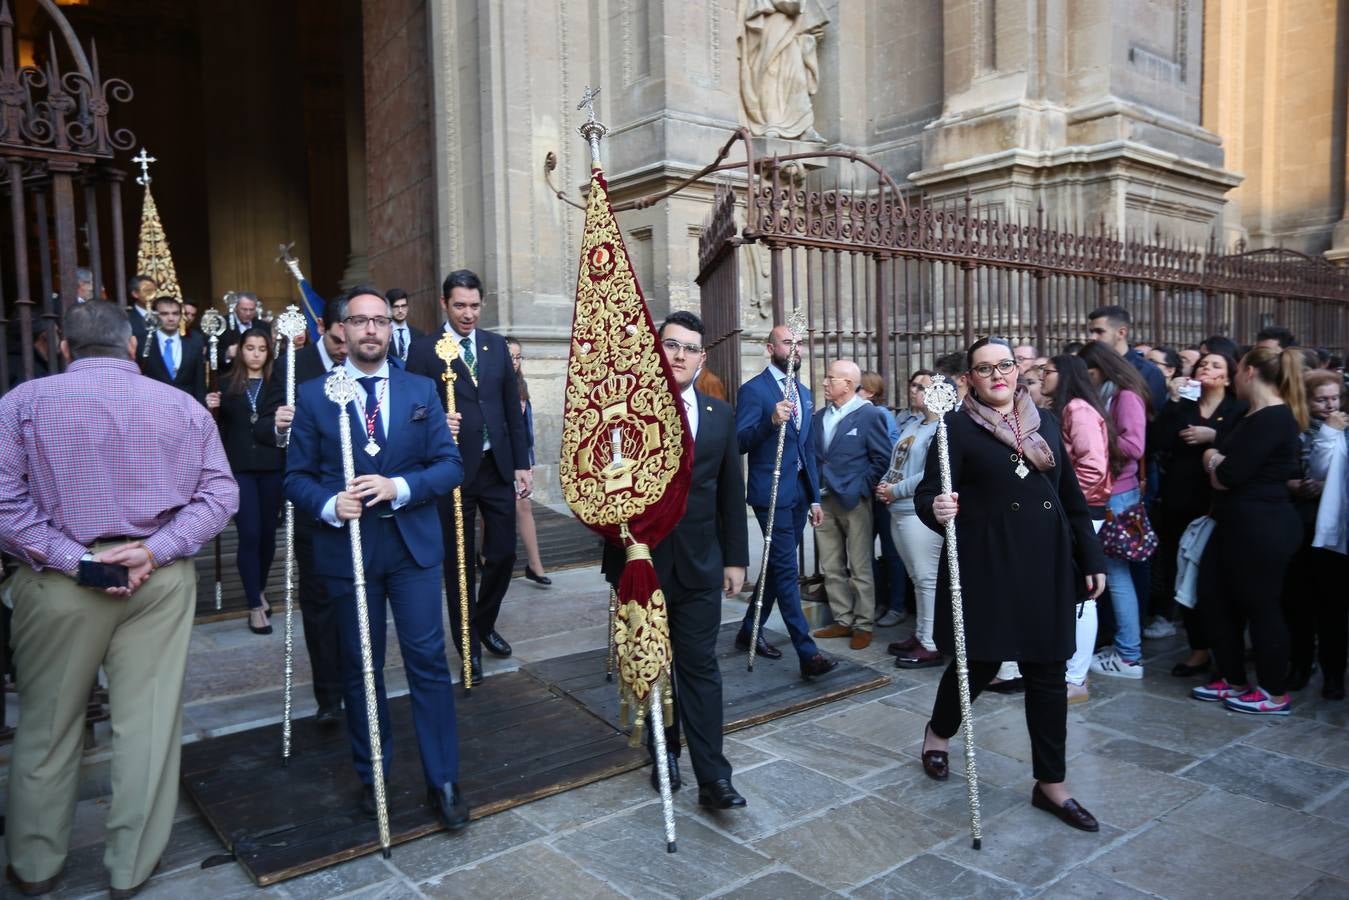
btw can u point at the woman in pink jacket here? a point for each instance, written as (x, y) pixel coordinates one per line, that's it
(1125, 396)
(1089, 441)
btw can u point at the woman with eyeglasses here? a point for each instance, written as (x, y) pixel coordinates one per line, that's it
(1027, 556)
(1125, 396)
(1316, 616)
(259, 469)
(524, 509)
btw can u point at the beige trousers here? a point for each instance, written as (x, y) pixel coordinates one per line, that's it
(61, 634)
(847, 546)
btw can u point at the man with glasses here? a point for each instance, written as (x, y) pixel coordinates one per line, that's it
(490, 430)
(403, 333)
(764, 405)
(698, 563)
(405, 460)
(1025, 356)
(852, 447)
(245, 319)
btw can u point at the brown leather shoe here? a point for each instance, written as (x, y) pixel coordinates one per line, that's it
(936, 763)
(31, 888)
(128, 893)
(832, 631)
(1071, 812)
(860, 640)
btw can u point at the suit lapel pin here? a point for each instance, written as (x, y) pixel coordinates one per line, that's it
(709, 409)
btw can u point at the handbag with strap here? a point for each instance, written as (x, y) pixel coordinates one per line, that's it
(1128, 534)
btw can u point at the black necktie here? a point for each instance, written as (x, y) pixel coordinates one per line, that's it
(402, 348)
(371, 385)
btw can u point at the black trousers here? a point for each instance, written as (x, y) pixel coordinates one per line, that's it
(320, 621)
(1046, 710)
(1315, 607)
(695, 620)
(494, 498)
(1241, 579)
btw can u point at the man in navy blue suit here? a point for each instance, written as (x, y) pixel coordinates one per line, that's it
(405, 460)
(489, 428)
(762, 408)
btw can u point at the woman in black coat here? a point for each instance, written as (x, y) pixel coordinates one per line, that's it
(259, 469)
(1028, 555)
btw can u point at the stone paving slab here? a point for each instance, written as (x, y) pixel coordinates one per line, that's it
(1195, 801)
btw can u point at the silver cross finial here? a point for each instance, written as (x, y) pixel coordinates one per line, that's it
(591, 129)
(144, 160)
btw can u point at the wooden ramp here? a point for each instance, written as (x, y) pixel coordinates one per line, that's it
(546, 728)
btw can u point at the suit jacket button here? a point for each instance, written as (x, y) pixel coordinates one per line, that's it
(1015, 506)
(1048, 505)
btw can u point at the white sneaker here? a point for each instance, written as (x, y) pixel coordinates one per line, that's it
(1108, 662)
(891, 617)
(1161, 627)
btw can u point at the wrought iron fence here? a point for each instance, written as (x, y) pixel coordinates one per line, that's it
(894, 281)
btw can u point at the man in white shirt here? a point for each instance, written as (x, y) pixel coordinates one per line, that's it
(403, 333)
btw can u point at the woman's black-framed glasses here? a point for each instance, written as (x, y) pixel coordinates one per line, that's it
(983, 370)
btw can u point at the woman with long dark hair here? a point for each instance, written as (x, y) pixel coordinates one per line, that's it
(1183, 431)
(259, 469)
(1024, 534)
(1125, 396)
(1089, 439)
(1256, 532)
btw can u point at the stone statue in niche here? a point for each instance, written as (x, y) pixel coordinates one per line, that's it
(780, 66)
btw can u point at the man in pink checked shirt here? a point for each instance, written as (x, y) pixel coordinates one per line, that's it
(62, 440)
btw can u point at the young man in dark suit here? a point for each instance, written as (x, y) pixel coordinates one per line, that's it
(490, 431)
(313, 360)
(142, 289)
(405, 460)
(172, 358)
(762, 408)
(698, 563)
(403, 332)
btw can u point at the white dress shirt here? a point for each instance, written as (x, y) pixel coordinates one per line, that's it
(477, 354)
(690, 399)
(781, 378)
(357, 409)
(401, 329)
(173, 342)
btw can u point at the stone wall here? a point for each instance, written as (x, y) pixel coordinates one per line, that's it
(400, 176)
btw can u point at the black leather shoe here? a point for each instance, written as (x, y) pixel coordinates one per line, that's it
(31, 888)
(475, 667)
(719, 795)
(673, 764)
(1181, 670)
(936, 763)
(764, 649)
(128, 893)
(449, 806)
(496, 644)
(367, 802)
(819, 664)
(1070, 813)
(329, 716)
(535, 577)
(1010, 686)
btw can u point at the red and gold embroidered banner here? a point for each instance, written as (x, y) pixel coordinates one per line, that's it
(626, 449)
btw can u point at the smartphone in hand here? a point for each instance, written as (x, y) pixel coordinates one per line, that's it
(102, 575)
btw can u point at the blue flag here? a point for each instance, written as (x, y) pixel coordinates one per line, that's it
(311, 304)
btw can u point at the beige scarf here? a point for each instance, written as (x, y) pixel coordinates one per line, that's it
(1025, 415)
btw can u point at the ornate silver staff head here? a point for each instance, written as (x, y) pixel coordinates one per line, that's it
(212, 323)
(940, 396)
(340, 387)
(797, 324)
(290, 324)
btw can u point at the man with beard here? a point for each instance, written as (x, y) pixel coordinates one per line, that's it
(763, 405)
(404, 461)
